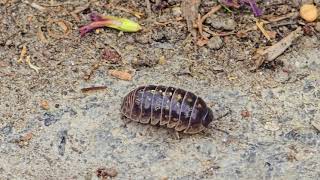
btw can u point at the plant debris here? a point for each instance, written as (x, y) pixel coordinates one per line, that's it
(277, 49)
(100, 21)
(123, 75)
(28, 61)
(203, 39)
(22, 54)
(103, 173)
(94, 88)
(261, 28)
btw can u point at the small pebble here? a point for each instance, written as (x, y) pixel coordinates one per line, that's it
(219, 22)
(215, 43)
(272, 126)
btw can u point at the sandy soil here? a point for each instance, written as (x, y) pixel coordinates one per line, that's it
(268, 120)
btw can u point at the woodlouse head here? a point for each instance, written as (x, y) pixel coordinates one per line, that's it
(208, 118)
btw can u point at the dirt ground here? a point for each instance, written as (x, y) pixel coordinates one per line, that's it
(268, 120)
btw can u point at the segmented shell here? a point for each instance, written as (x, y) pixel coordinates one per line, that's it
(176, 108)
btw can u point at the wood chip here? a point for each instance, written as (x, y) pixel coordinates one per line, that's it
(123, 75)
(272, 52)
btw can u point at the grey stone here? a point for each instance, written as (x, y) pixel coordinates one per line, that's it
(219, 22)
(215, 43)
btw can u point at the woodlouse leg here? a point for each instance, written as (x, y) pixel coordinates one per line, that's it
(181, 126)
(194, 129)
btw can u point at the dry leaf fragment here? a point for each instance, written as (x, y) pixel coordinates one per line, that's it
(123, 75)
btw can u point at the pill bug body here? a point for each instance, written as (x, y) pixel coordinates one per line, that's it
(167, 106)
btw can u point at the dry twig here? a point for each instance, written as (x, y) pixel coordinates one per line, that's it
(277, 49)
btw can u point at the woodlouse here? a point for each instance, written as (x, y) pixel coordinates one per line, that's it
(174, 107)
